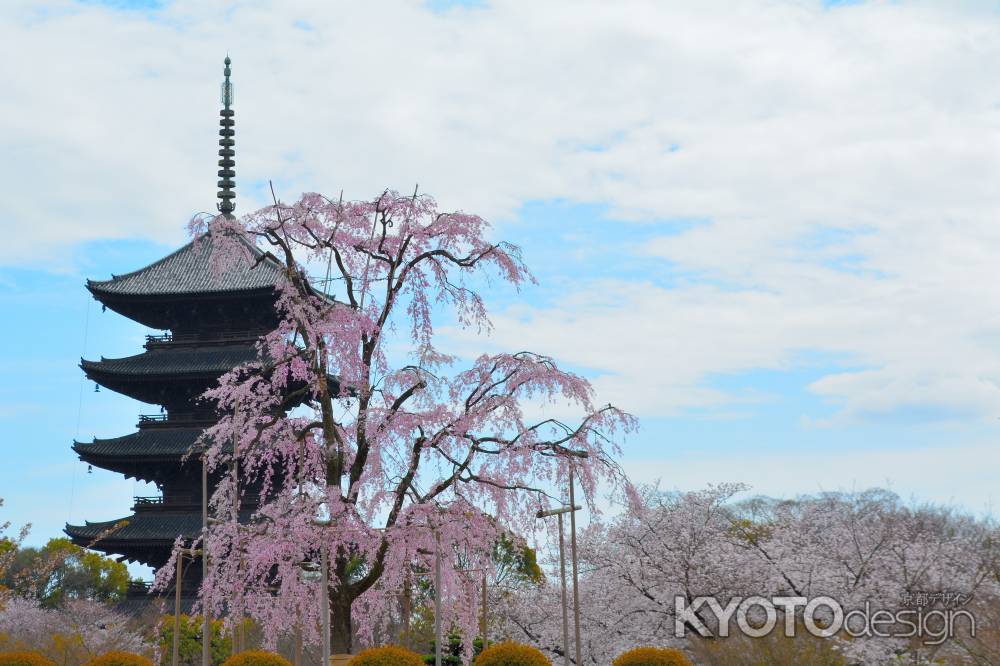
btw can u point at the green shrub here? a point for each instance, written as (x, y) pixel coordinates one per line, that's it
(256, 658)
(510, 653)
(388, 655)
(120, 658)
(451, 654)
(652, 656)
(221, 645)
(24, 659)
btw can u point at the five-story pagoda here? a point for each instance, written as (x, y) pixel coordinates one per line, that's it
(211, 320)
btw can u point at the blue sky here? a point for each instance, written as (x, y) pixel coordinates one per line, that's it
(767, 229)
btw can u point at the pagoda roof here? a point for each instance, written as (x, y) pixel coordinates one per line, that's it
(161, 372)
(187, 291)
(170, 376)
(189, 270)
(210, 360)
(145, 443)
(150, 454)
(145, 526)
(144, 537)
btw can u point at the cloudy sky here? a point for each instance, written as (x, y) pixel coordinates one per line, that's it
(769, 229)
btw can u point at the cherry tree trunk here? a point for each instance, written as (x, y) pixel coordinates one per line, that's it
(340, 623)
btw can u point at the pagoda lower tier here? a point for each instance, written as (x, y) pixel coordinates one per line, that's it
(146, 537)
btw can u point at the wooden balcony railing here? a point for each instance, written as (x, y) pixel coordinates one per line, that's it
(206, 337)
(175, 418)
(160, 502)
(181, 500)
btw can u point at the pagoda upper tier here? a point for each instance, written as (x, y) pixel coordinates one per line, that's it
(150, 454)
(184, 292)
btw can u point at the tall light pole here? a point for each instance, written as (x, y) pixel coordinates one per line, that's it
(562, 572)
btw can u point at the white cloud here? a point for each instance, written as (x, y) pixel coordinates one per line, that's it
(775, 122)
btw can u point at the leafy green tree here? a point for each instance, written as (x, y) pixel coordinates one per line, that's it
(60, 571)
(516, 563)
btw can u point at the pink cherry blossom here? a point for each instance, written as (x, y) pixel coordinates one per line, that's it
(353, 415)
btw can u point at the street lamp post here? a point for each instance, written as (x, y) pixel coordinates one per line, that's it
(324, 614)
(309, 573)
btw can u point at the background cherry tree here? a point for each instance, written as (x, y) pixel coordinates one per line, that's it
(858, 547)
(68, 630)
(354, 416)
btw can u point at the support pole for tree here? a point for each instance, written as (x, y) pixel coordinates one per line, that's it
(437, 600)
(177, 609)
(324, 614)
(298, 638)
(562, 590)
(482, 628)
(206, 623)
(238, 629)
(576, 592)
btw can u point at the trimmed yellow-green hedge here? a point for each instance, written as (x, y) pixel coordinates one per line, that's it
(24, 659)
(256, 658)
(652, 656)
(510, 653)
(387, 655)
(120, 658)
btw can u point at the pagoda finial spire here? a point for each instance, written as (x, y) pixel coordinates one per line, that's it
(227, 164)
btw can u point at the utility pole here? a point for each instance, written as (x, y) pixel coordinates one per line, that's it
(562, 572)
(562, 592)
